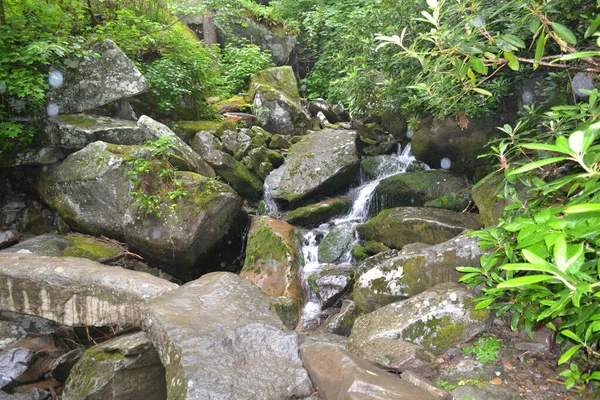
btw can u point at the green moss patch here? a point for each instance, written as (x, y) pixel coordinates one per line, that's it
(91, 248)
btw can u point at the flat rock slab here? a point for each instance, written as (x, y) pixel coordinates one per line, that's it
(219, 339)
(75, 291)
(92, 82)
(321, 162)
(339, 375)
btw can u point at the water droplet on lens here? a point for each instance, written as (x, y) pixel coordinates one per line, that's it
(55, 79)
(409, 134)
(446, 163)
(52, 109)
(2, 87)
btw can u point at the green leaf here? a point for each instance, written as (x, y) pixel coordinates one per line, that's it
(513, 41)
(524, 280)
(484, 304)
(560, 253)
(576, 56)
(482, 91)
(528, 267)
(534, 24)
(540, 45)
(592, 28)
(568, 354)
(583, 208)
(536, 164)
(477, 64)
(468, 269)
(513, 63)
(563, 32)
(576, 141)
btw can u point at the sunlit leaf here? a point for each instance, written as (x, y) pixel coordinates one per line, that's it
(536, 164)
(524, 280)
(568, 354)
(564, 33)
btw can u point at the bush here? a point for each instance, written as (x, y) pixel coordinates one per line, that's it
(239, 63)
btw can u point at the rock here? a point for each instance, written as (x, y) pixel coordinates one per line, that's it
(340, 376)
(181, 241)
(31, 394)
(233, 104)
(435, 139)
(395, 124)
(320, 163)
(75, 291)
(423, 383)
(237, 144)
(245, 182)
(582, 81)
(396, 355)
(14, 363)
(454, 202)
(75, 131)
(123, 110)
(288, 310)
(342, 322)
(91, 82)
(279, 142)
(331, 283)
(275, 96)
(62, 366)
(378, 166)
(397, 227)
(436, 319)
(70, 246)
(542, 341)
(177, 147)
(238, 347)
(322, 339)
(186, 130)
(321, 106)
(9, 238)
(336, 243)
(465, 369)
(486, 392)
(204, 143)
(273, 258)
(414, 189)
(10, 332)
(125, 367)
(315, 214)
(258, 161)
(43, 156)
(485, 195)
(396, 276)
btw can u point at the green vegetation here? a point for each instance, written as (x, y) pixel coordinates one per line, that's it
(485, 348)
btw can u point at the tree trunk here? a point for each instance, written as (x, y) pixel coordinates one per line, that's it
(2, 16)
(209, 30)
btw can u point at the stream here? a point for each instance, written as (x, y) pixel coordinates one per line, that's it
(345, 226)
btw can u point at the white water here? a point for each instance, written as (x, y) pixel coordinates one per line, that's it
(270, 205)
(392, 165)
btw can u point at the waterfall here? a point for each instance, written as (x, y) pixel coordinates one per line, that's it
(389, 166)
(270, 205)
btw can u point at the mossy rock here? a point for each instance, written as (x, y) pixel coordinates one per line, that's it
(187, 129)
(233, 104)
(359, 253)
(335, 244)
(400, 226)
(92, 248)
(485, 195)
(455, 202)
(279, 142)
(315, 214)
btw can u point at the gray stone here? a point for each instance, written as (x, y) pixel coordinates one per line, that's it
(9, 238)
(320, 163)
(275, 96)
(235, 349)
(31, 394)
(396, 355)
(397, 227)
(423, 383)
(75, 131)
(582, 81)
(14, 363)
(124, 368)
(322, 106)
(258, 161)
(336, 243)
(342, 322)
(204, 142)
(92, 82)
(436, 319)
(43, 156)
(486, 392)
(331, 283)
(62, 366)
(390, 277)
(237, 143)
(341, 376)
(414, 189)
(542, 341)
(288, 310)
(123, 110)
(10, 332)
(75, 291)
(464, 370)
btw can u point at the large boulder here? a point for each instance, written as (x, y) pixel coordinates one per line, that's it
(93, 81)
(237, 348)
(390, 277)
(439, 138)
(123, 368)
(336, 243)
(340, 375)
(273, 258)
(320, 163)
(75, 291)
(400, 226)
(485, 195)
(414, 189)
(331, 283)
(275, 96)
(437, 319)
(315, 214)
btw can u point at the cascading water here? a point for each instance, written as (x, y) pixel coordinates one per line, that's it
(389, 166)
(270, 205)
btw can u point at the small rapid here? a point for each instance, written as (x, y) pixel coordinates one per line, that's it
(359, 213)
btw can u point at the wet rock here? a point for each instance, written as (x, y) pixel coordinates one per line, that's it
(315, 214)
(10, 332)
(320, 163)
(376, 166)
(400, 226)
(486, 392)
(69, 246)
(238, 348)
(10, 212)
(342, 322)
(485, 195)
(9, 238)
(396, 355)
(75, 131)
(331, 283)
(92, 82)
(395, 124)
(389, 277)
(436, 319)
(288, 310)
(341, 376)
(423, 383)
(273, 258)
(125, 367)
(274, 93)
(336, 243)
(414, 189)
(322, 339)
(75, 291)
(258, 161)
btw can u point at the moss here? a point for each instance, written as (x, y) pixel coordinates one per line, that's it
(359, 253)
(312, 281)
(78, 120)
(478, 315)
(233, 104)
(373, 247)
(263, 246)
(316, 214)
(187, 129)
(92, 248)
(436, 334)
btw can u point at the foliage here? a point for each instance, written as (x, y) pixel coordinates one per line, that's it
(574, 377)
(445, 385)
(156, 164)
(485, 348)
(239, 63)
